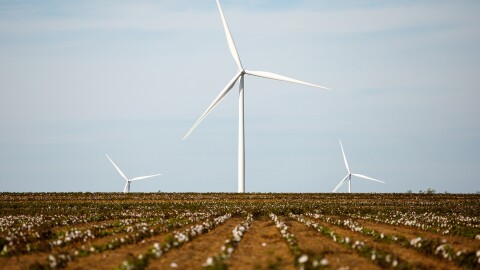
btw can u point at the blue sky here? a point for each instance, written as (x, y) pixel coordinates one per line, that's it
(129, 78)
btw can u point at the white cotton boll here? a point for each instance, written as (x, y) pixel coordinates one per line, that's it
(439, 249)
(415, 242)
(174, 265)
(303, 259)
(324, 262)
(53, 261)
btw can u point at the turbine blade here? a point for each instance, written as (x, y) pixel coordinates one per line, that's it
(125, 188)
(118, 170)
(144, 177)
(366, 177)
(339, 184)
(344, 157)
(273, 76)
(217, 100)
(231, 43)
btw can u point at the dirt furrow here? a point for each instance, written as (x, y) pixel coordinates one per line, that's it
(262, 248)
(84, 226)
(193, 254)
(457, 242)
(415, 258)
(23, 261)
(339, 257)
(41, 258)
(111, 259)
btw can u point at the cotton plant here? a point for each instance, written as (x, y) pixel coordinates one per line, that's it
(219, 261)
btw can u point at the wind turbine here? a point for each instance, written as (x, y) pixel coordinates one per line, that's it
(127, 185)
(349, 175)
(239, 76)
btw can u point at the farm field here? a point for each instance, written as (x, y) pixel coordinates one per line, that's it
(239, 231)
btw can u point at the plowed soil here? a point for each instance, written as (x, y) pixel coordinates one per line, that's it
(193, 254)
(339, 257)
(410, 255)
(262, 247)
(457, 242)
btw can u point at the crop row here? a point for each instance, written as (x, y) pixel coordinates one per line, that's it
(451, 224)
(173, 240)
(382, 258)
(62, 227)
(18, 242)
(141, 232)
(302, 260)
(220, 261)
(429, 246)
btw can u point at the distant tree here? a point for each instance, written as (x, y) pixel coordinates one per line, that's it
(409, 191)
(420, 191)
(431, 191)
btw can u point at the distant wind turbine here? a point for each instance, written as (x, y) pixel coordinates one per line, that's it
(127, 184)
(349, 175)
(240, 77)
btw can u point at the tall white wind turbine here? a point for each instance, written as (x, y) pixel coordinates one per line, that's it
(127, 184)
(349, 175)
(239, 76)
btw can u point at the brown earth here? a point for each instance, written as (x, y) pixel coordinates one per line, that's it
(251, 253)
(24, 261)
(314, 243)
(89, 262)
(82, 226)
(262, 247)
(114, 258)
(194, 253)
(415, 258)
(457, 242)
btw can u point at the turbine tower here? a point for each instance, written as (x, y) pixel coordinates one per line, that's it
(239, 76)
(127, 184)
(349, 175)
